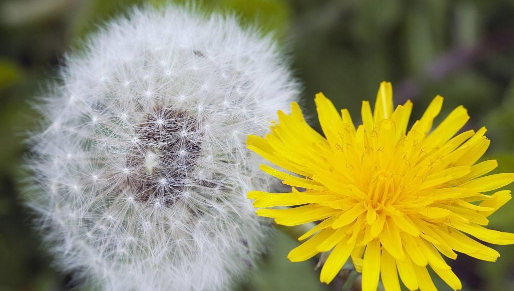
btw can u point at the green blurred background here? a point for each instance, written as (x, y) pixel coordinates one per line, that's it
(463, 50)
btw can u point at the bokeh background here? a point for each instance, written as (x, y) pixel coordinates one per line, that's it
(462, 50)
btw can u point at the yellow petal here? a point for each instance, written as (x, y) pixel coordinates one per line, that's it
(484, 234)
(291, 180)
(444, 176)
(378, 225)
(265, 199)
(384, 103)
(473, 151)
(298, 215)
(470, 206)
(435, 212)
(448, 128)
(391, 240)
(371, 216)
(424, 280)
(478, 170)
(297, 122)
(332, 240)
(314, 215)
(464, 214)
(405, 224)
(429, 234)
(497, 200)
(386, 140)
(329, 119)
(425, 123)
(407, 273)
(349, 216)
(389, 272)
(432, 255)
(401, 119)
(308, 249)
(261, 147)
(371, 266)
(357, 260)
(336, 261)
(413, 250)
(491, 182)
(449, 277)
(464, 244)
(450, 193)
(367, 117)
(447, 153)
(322, 225)
(347, 121)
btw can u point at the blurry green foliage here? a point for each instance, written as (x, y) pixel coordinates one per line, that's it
(462, 50)
(277, 273)
(467, 88)
(94, 12)
(269, 15)
(10, 73)
(30, 12)
(500, 122)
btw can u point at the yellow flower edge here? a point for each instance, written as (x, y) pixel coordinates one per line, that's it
(392, 200)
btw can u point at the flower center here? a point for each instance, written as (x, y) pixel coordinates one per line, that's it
(164, 156)
(382, 188)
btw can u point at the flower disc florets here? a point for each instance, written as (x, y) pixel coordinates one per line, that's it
(393, 200)
(140, 175)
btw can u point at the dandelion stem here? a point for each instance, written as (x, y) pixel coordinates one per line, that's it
(348, 283)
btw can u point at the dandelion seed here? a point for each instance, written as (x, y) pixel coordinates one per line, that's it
(393, 200)
(157, 186)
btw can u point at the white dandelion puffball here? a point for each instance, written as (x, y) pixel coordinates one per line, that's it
(140, 175)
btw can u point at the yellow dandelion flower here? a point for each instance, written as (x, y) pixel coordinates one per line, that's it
(393, 200)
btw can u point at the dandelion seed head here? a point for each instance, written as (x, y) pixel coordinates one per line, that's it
(140, 182)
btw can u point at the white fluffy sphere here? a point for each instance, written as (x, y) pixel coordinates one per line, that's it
(140, 175)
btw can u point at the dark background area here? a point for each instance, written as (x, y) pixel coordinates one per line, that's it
(462, 50)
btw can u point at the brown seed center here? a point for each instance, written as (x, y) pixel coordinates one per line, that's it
(164, 156)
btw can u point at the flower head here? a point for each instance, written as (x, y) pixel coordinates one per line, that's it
(393, 200)
(140, 174)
